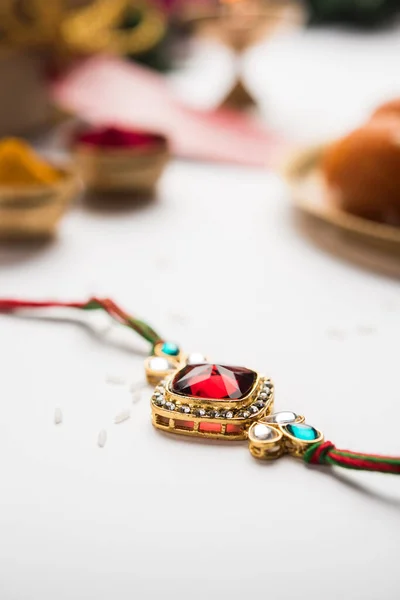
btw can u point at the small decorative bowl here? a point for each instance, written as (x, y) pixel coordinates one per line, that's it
(372, 244)
(117, 160)
(309, 192)
(33, 211)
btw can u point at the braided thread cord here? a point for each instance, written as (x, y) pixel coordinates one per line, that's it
(326, 453)
(141, 328)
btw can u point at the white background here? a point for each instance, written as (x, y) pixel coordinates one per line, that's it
(219, 263)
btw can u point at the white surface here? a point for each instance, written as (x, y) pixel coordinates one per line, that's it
(219, 264)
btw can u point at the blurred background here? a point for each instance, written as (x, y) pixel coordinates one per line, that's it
(271, 84)
(229, 171)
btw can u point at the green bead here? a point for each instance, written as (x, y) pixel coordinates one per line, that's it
(170, 348)
(303, 432)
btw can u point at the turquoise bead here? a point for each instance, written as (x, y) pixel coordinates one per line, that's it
(302, 432)
(170, 348)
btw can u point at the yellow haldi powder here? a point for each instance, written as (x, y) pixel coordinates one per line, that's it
(20, 165)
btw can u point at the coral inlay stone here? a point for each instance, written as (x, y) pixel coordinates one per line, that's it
(303, 432)
(214, 382)
(209, 427)
(234, 429)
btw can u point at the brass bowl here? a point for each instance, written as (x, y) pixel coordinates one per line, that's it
(33, 211)
(309, 192)
(121, 170)
(369, 243)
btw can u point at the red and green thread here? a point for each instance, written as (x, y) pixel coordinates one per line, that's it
(109, 306)
(321, 453)
(326, 453)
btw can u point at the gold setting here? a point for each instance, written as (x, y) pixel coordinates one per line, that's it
(122, 170)
(282, 441)
(187, 415)
(297, 447)
(268, 449)
(154, 376)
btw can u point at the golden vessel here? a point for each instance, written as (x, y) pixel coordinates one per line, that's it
(32, 211)
(121, 169)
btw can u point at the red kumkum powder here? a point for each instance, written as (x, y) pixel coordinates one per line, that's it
(116, 137)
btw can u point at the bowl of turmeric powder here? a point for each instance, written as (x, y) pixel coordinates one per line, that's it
(34, 193)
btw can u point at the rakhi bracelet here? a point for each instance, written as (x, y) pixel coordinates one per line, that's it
(195, 397)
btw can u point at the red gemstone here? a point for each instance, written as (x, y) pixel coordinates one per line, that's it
(214, 382)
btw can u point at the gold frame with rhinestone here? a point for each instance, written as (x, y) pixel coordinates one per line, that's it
(282, 443)
(228, 420)
(154, 376)
(295, 446)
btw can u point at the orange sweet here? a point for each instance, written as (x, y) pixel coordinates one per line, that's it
(362, 170)
(388, 108)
